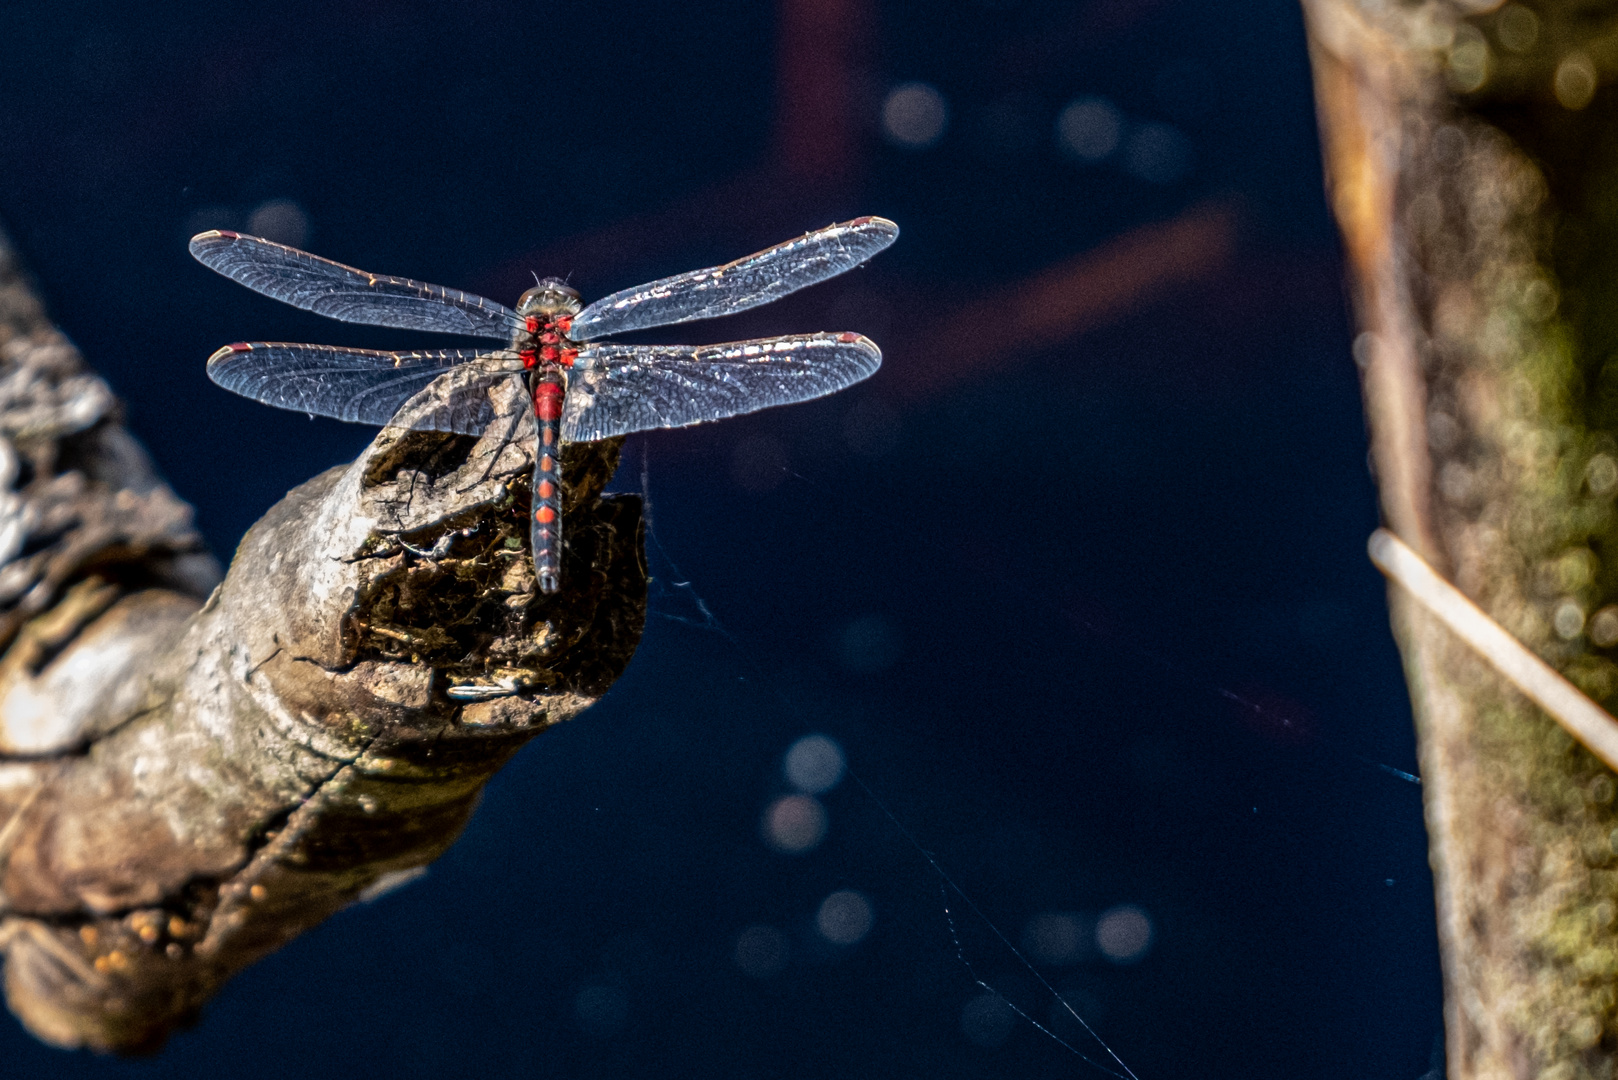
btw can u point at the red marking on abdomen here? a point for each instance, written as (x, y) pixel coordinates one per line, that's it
(548, 403)
(546, 489)
(544, 515)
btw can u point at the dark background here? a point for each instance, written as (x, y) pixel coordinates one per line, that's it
(1077, 580)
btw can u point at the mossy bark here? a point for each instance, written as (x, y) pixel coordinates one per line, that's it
(1472, 162)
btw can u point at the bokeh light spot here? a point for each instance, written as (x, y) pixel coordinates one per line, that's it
(794, 824)
(1604, 627)
(1089, 129)
(1517, 27)
(1575, 81)
(914, 116)
(1602, 474)
(281, 220)
(814, 764)
(987, 1019)
(1568, 620)
(1468, 67)
(1157, 153)
(761, 951)
(844, 917)
(1123, 934)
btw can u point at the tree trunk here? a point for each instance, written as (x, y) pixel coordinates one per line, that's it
(1472, 162)
(189, 779)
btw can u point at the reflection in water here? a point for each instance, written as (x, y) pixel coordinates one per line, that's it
(794, 824)
(814, 764)
(844, 918)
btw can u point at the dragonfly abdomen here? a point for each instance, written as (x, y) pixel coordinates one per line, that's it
(545, 531)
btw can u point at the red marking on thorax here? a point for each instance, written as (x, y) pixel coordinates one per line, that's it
(533, 324)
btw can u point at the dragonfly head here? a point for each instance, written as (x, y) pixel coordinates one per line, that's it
(550, 297)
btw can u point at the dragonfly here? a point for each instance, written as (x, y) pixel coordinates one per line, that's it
(576, 386)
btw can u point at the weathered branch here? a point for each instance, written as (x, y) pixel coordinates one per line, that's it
(1471, 154)
(186, 786)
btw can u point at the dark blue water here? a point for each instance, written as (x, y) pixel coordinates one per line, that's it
(1089, 612)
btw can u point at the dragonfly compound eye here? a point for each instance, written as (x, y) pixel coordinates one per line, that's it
(550, 297)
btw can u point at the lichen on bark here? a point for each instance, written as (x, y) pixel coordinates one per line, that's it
(1473, 174)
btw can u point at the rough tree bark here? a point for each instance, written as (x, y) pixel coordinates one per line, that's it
(193, 772)
(1472, 161)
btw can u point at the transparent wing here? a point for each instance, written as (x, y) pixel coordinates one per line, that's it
(342, 292)
(367, 387)
(617, 389)
(745, 283)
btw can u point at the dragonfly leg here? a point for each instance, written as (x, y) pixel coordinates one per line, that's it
(506, 439)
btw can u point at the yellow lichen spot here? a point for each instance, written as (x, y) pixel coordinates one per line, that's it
(89, 935)
(149, 933)
(258, 892)
(102, 965)
(117, 960)
(177, 926)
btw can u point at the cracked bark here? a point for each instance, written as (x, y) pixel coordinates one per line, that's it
(1472, 160)
(192, 775)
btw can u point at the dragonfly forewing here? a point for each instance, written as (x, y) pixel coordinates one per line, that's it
(362, 385)
(746, 283)
(341, 292)
(619, 389)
